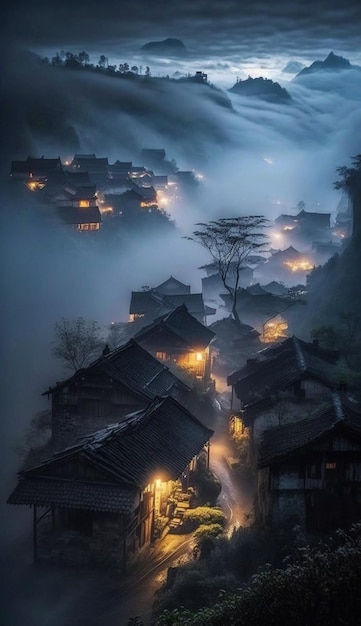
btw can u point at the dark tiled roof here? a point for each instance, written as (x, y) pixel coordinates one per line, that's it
(182, 325)
(35, 166)
(171, 286)
(78, 179)
(77, 215)
(292, 360)
(142, 302)
(131, 366)
(157, 442)
(193, 302)
(43, 491)
(278, 443)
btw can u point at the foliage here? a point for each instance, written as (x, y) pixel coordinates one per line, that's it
(230, 241)
(208, 530)
(345, 337)
(77, 342)
(205, 515)
(350, 182)
(208, 486)
(318, 587)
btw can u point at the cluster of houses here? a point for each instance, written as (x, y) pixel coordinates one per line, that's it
(125, 443)
(303, 424)
(87, 190)
(125, 440)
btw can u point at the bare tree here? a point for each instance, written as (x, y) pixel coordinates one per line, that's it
(350, 182)
(77, 342)
(230, 241)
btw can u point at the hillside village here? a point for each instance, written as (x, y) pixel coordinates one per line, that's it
(129, 448)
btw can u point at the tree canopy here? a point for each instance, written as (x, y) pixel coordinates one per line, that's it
(350, 182)
(231, 241)
(76, 342)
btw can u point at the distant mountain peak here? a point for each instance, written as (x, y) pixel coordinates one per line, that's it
(168, 46)
(263, 88)
(332, 62)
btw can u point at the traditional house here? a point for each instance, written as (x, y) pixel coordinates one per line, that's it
(123, 380)
(97, 167)
(99, 499)
(76, 196)
(119, 171)
(258, 307)
(157, 301)
(285, 384)
(173, 287)
(82, 219)
(310, 470)
(37, 173)
(288, 265)
(180, 338)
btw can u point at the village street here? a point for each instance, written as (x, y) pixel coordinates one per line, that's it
(42, 595)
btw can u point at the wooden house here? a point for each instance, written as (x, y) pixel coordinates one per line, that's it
(119, 171)
(98, 500)
(172, 287)
(37, 173)
(285, 384)
(82, 219)
(290, 266)
(257, 307)
(160, 300)
(97, 167)
(179, 338)
(310, 470)
(123, 380)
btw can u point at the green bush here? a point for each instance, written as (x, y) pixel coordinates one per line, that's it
(209, 530)
(205, 515)
(318, 587)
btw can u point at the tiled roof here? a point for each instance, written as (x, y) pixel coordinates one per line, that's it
(77, 215)
(142, 302)
(171, 284)
(45, 491)
(182, 325)
(292, 360)
(278, 443)
(157, 442)
(133, 367)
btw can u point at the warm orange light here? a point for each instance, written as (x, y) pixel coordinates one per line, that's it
(84, 204)
(199, 356)
(301, 265)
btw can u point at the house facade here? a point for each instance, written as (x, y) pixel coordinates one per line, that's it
(310, 470)
(124, 380)
(98, 500)
(178, 337)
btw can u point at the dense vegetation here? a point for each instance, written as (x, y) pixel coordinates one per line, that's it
(317, 586)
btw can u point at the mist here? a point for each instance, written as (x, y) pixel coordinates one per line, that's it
(255, 158)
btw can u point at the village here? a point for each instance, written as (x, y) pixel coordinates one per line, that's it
(130, 456)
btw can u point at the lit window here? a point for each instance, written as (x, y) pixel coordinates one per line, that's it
(84, 203)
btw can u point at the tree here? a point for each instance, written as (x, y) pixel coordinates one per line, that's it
(230, 241)
(84, 58)
(103, 61)
(350, 182)
(77, 342)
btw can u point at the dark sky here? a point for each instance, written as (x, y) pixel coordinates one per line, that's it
(258, 28)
